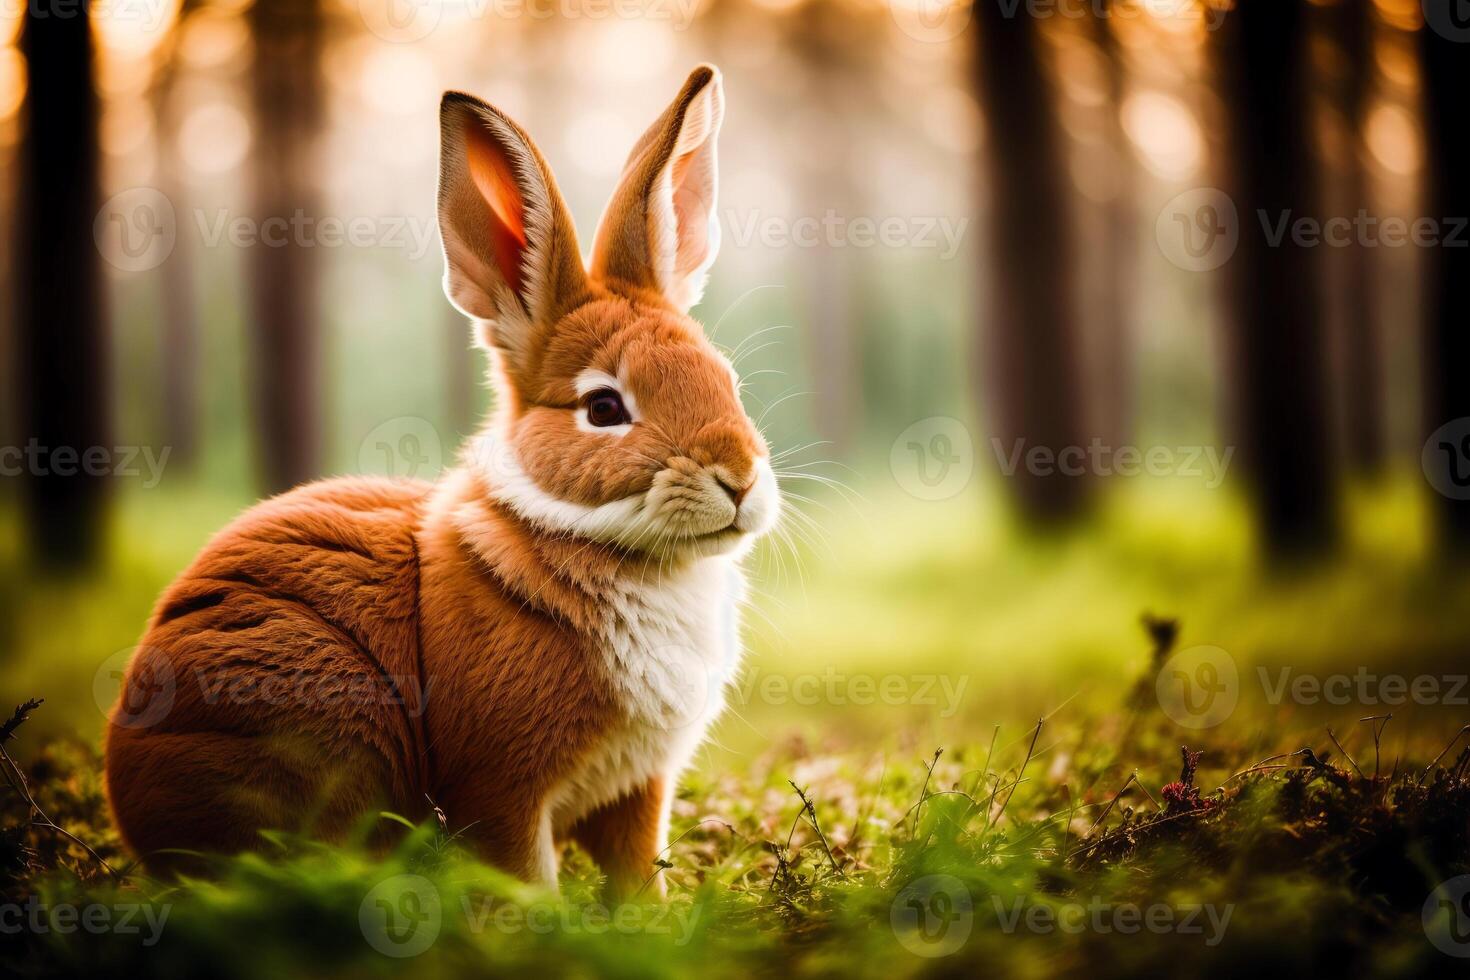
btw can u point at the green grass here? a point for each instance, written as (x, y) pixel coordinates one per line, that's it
(975, 860)
(1318, 866)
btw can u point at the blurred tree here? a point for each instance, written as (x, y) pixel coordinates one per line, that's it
(179, 352)
(1350, 26)
(285, 328)
(62, 342)
(1447, 297)
(1033, 338)
(1114, 344)
(1275, 332)
(834, 80)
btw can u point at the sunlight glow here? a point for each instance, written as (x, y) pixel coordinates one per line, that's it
(1165, 133)
(12, 81)
(1393, 139)
(214, 138)
(398, 80)
(209, 40)
(134, 27)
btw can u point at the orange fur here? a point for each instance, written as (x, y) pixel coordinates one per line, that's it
(494, 652)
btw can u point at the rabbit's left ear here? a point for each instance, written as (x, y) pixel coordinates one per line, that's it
(660, 230)
(510, 251)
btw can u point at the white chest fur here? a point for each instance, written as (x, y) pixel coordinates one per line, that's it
(669, 647)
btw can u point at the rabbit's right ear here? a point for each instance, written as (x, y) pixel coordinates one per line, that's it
(510, 249)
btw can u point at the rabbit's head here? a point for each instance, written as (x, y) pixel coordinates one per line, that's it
(617, 419)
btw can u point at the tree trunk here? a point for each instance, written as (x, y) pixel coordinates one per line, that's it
(829, 276)
(1278, 383)
(1447, 270)
(179, 343)
(285, 327)
(61, 317)
(1362, 397)
(1118, 258)
(1033, 337)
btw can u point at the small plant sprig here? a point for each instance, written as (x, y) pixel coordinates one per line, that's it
(15, 776)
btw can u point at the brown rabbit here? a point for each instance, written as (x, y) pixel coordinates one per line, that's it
(537, 642)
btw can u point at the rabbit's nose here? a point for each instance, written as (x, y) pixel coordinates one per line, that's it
(737, 494)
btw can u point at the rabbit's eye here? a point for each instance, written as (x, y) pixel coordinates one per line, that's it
(605, 408)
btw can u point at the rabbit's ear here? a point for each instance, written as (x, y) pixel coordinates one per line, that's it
(510, 249)
(660, 230)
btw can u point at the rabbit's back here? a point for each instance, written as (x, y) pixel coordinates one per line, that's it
(278, 682)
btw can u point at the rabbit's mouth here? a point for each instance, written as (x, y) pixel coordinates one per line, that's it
(690, 510)
(705, 505)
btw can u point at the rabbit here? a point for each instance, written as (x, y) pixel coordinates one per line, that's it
(537, 642)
